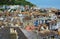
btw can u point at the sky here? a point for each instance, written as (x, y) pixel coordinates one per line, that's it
(46, 3)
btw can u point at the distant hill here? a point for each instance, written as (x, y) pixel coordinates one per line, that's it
(15, 2)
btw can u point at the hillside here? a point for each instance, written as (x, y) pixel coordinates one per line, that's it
(15, 2)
